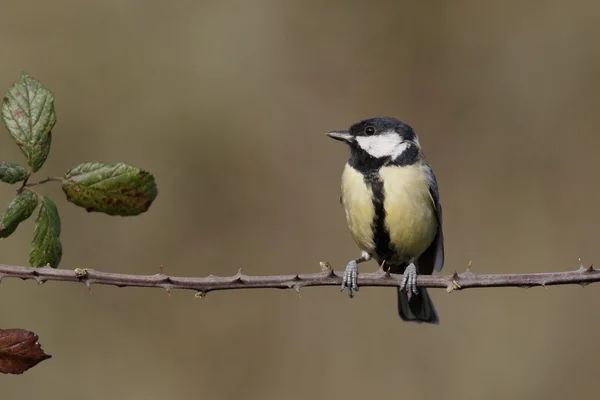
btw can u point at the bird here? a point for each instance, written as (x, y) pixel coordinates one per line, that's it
(392, 204)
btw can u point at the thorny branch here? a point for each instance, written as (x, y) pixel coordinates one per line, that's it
(582, 276)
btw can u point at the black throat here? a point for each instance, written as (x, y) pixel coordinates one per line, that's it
(365, 163)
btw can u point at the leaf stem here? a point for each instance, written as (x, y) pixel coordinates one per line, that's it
(48, 179)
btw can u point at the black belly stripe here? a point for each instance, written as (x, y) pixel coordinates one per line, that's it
(381, 235)
(369, 166)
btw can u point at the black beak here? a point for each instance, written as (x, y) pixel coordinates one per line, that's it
(343, 136)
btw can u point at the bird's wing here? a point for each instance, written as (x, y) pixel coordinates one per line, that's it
(437, 206)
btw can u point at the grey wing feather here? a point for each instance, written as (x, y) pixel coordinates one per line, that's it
(435, 197)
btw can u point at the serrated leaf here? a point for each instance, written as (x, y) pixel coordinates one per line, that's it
(28, 113)
(19, 351)
(11, 172)
(45, 246)
(19, 209)
(114, 189)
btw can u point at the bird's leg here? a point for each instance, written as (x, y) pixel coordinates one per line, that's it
(409, 280)
(351, 274)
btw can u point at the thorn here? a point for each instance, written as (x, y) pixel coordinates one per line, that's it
(581, 267)
(89, 289)
(468, 270)
(544, 286)
(160, 270)
(455, 276)
(590, 269)
(382, 264)
(238, 277)
(200, 294)
(584, 284)
(297, 289)
(387, 273)
(168, 288)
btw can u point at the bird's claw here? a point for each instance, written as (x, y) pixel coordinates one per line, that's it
(350, 277)
(409, 281)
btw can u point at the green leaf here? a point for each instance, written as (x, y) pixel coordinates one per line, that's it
(18, 211)
(28, 113)
(12, 172)
(45, 246)
(114, 189)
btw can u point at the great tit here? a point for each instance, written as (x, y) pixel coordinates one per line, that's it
(391, 200)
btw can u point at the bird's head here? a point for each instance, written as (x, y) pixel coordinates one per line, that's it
(380, 141)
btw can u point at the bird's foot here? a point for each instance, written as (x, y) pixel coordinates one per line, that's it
(409, 281)
(350, 277)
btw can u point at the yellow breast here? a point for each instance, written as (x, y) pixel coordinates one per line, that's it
(410, 212)
(410, 218)
(357, 199)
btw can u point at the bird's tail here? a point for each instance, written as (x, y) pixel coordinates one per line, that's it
(419, 309)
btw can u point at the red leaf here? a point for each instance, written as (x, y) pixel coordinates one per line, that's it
(19, 351)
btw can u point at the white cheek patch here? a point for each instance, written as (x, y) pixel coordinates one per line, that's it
(387, 144)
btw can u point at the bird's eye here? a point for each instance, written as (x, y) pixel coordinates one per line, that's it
(369, 130)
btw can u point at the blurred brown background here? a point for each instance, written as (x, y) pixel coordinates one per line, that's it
(227, 103)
